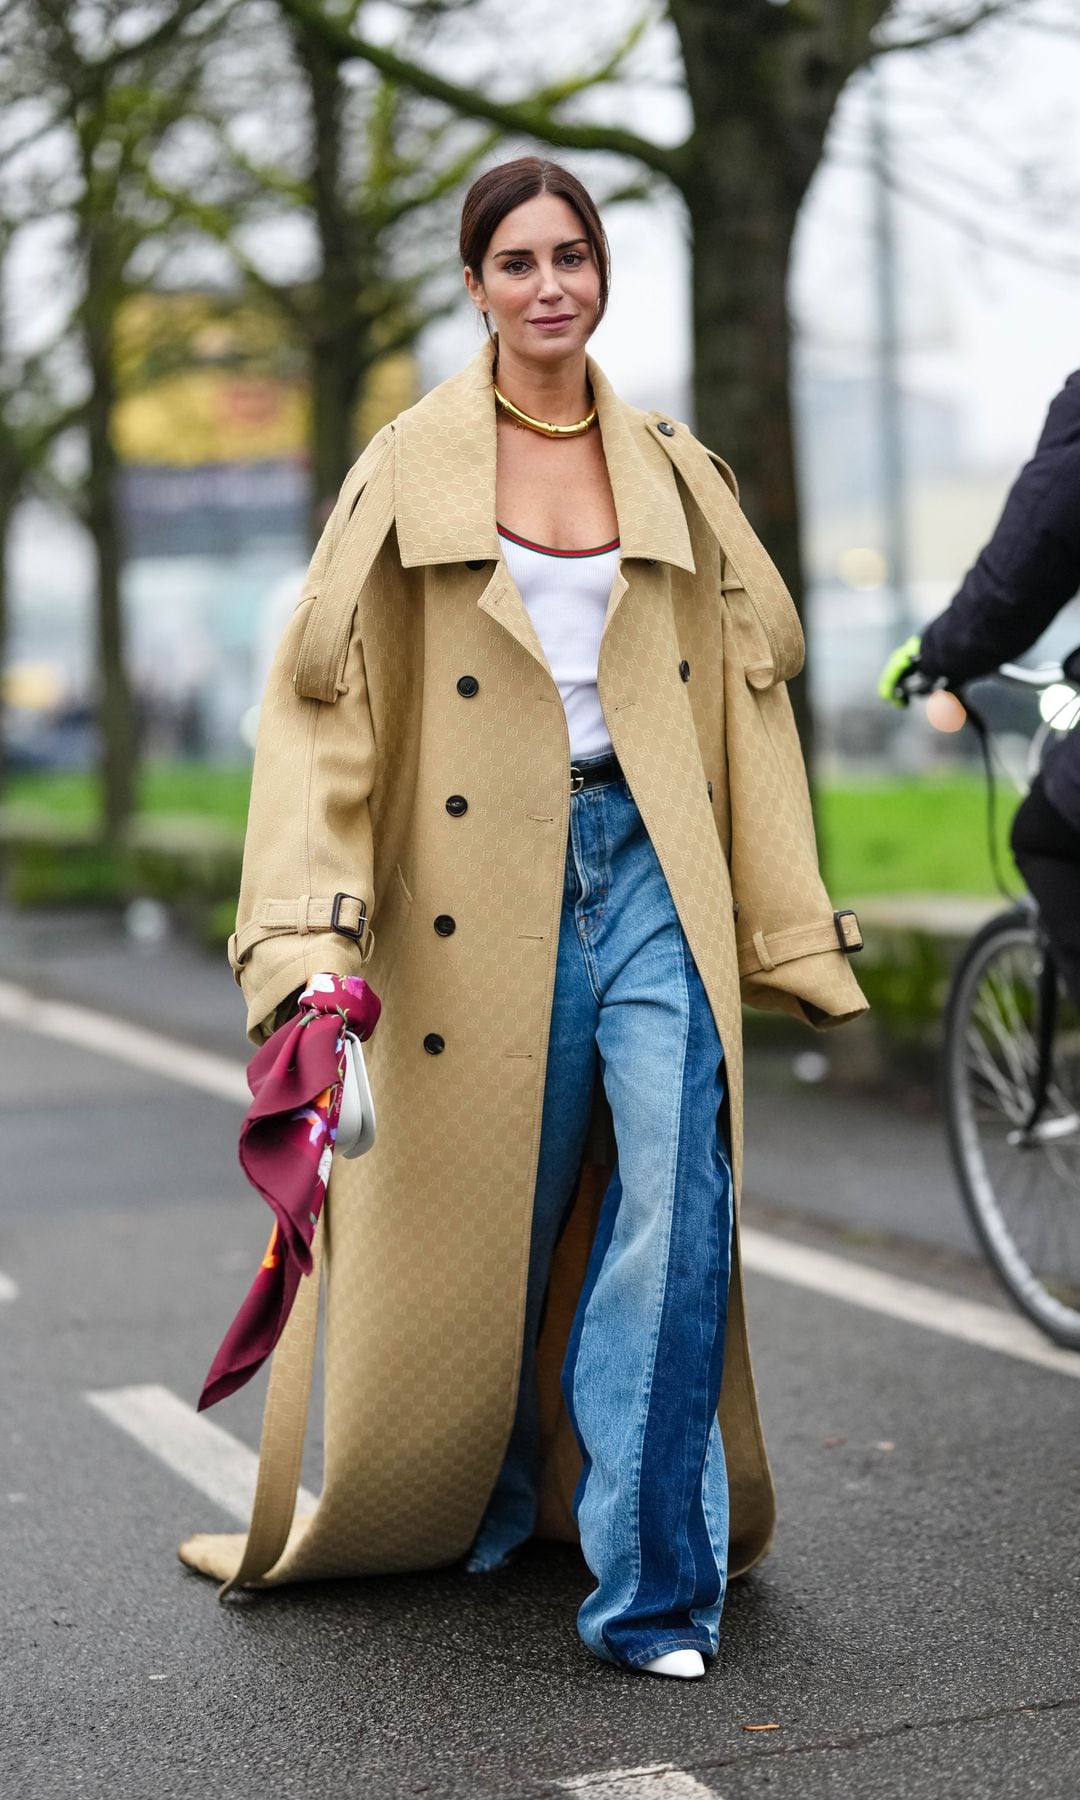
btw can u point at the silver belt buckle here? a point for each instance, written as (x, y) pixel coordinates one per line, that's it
(577, 778)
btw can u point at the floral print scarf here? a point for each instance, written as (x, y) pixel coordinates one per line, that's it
(286, 1148)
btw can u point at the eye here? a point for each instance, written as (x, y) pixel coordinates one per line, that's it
(515, 262)
(574, 257)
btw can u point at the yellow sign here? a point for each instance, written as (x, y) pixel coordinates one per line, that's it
(203, 380)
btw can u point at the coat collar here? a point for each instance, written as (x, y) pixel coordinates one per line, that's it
(451, 431)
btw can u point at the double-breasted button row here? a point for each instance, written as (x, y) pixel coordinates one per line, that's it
(445, 924)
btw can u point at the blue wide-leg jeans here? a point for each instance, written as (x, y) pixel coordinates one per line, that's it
(641, 1376)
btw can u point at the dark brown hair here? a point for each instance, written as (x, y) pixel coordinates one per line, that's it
(497, 192)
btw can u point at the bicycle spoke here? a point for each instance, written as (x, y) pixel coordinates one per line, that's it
(995, 1079)
(1023, 1189)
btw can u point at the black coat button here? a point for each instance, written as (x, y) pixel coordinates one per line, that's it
(434, 1044)
(457, 804)
(684, 670)
(478, 563)
(666, 429)
(710, 790)
(445, 925)
(467, 686)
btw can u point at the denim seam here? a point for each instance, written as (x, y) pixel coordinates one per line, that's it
(718, 1311)
(643, 1417)
(585, 889)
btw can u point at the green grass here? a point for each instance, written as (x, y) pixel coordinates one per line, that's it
(177, 790)
(911, 835)
(902, 835)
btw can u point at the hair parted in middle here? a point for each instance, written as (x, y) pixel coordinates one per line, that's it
(497, 192)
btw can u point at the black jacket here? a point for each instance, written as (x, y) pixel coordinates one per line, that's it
(1022, 579)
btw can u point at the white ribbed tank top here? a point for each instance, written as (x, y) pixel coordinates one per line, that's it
(566, 594)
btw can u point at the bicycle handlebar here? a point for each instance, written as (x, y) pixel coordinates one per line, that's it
(1045, 676)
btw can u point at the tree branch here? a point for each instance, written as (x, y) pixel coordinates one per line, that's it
(938, 206)
(948, 28)
(531, 117)
(157, 39)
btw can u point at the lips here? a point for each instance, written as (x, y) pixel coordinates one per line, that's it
(554, 319)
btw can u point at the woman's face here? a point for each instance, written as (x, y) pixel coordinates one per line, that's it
(539, 282)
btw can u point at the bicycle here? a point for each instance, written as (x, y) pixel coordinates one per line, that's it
(1011, 1073)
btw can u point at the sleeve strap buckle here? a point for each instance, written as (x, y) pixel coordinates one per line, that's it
(356, 931)
(849, 945)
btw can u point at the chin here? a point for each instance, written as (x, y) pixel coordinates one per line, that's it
(539, 348)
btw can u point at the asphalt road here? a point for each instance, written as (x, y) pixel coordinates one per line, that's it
(913, 1633)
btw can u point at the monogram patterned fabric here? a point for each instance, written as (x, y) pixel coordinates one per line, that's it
(444, 808)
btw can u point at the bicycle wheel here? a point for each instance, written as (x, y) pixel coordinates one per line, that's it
(1021, 1188)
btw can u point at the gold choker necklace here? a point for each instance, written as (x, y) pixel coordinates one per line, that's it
(522, 419)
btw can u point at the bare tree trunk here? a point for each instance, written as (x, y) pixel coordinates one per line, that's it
(116, 712)
(336, 325)
(763, 83)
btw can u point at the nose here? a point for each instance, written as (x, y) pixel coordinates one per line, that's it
(550, 286)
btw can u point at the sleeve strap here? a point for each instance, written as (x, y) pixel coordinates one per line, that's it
(347, 914)
(766, 949)
(327, 633)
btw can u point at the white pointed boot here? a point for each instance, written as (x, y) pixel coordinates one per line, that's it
(686, 1663)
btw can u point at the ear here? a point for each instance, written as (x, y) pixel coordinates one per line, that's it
(475, 290)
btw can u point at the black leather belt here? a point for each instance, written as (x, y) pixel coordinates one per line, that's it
(589, 774)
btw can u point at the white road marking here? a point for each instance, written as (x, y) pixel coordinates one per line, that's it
(656, 1781)
(149, 1051)
(192, 1446)
(931, 1308)
(9, 1289)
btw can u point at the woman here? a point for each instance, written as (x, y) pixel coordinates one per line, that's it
(529, 723)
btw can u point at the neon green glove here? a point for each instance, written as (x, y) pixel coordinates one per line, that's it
(899, 664)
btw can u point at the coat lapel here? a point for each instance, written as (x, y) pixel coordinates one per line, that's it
(445, 490)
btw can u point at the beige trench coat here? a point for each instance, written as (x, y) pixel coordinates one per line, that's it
(367, 734)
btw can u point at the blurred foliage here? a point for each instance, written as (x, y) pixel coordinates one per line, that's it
(905, 976)
(213, 378)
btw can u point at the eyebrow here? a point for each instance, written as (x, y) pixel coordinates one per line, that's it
(568, 245)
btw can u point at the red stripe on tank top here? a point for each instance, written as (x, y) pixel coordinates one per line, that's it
(547, 550)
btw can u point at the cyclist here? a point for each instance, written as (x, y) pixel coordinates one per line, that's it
(1021, 580)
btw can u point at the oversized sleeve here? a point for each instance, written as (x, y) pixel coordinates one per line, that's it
(306, 890)
(793, 945)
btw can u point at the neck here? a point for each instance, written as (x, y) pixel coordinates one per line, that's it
(555, 392)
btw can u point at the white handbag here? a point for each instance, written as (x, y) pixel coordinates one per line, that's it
(356, 1125)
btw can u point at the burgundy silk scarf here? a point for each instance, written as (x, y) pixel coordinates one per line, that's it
(286, 1147)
